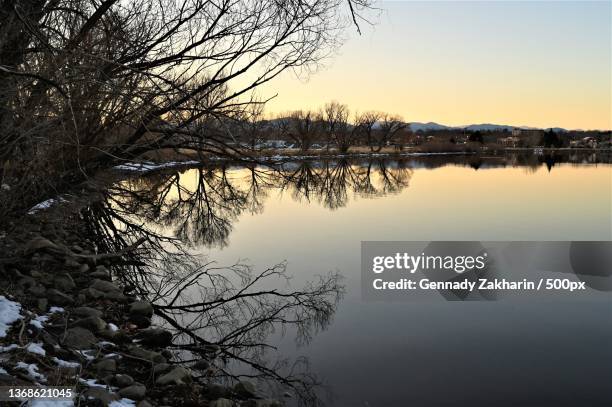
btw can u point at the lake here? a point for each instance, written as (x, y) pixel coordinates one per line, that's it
(537, 352)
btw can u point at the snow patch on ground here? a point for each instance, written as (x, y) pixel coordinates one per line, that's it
(38, 321)
(45, 205)
(149, 166)
(122, 403)
(51, 403)
(85, 354)
(93, 383)
(9, 313)
(32, 370)
(65, 363)
(9, 348)
(36, 348)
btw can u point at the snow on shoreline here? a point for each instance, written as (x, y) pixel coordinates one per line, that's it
(9, 313)
(45, 205)
(150, 166)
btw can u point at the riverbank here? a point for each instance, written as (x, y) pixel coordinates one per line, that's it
(169, 158)
(68, 320)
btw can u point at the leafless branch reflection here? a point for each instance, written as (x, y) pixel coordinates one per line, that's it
(225, 315)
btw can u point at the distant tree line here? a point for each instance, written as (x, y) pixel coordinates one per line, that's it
(333, 126)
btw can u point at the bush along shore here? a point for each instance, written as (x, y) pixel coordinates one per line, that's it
(65, 322)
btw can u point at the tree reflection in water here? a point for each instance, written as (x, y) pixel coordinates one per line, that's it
(226, 314)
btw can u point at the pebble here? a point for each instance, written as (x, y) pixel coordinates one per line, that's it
(123, 380)
(136, 391)
(178, 375)
(79, 338)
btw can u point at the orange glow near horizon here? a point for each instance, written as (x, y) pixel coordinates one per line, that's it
(539, 64)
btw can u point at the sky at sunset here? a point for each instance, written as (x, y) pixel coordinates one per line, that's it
(541, 64)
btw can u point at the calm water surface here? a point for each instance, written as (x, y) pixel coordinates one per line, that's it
(531, 353)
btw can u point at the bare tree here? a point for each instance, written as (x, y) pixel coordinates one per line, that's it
(390, 125)
(281, 126)
(252, 124)
(365, 124)
(86, 84)
(304, 128)
(335, 117)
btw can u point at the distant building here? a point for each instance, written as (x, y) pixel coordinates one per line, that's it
(511, 141)
(585, 142)
(517, 132)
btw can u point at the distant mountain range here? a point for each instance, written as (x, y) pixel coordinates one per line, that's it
(416, 126)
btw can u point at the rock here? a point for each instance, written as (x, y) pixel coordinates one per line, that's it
(140, 321)
(49, 340)
(161, 368)
(155, 337)
(71, 262)
(26, 282)
(93, 293)
(245, 389)
(94, 324)
(136, 391)
(221, 403)
(118, 337)
(215, 391)
(268, 403)
(87, 312)
(100, 272)
(123, 380)
(104, 286)
(37, 290)
(201, 365)
(40, 243)
(79, 338)
(178, 375)
(117, 296)
(64, 282)
(58, 297)
(141, 308)
(42, 304)
(106, 366)
(101, 394)
(144, 403)
(83, 269)
(146, 354)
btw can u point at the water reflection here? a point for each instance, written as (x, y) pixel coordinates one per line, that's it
(199, 205)
(226, 315)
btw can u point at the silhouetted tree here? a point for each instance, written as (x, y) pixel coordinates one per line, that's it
(476, 137)
(551, 138)
(335, 118)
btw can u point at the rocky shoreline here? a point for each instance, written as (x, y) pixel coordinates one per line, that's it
(68, 322)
